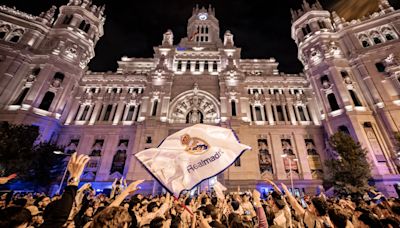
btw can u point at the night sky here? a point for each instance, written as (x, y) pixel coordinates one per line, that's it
(261, 27)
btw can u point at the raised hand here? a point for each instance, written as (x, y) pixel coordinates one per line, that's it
(4, 180)
(77, 164)
(134, 186)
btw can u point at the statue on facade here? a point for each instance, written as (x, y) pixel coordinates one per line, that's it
(168, 38)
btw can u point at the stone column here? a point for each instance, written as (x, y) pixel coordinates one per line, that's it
(276, 146)
(292, 115)
(72, 112)
(90, 112)
(184, 66)
(81, 109)
(269, 113)
(275, 113)
(109, 149)
(113, 110)
(296, 109)
(202, 66)
(302, 156)
(262, 113)
(120, 109)
(127, 107)
(95, 114)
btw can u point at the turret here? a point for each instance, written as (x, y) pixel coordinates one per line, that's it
(309, 20)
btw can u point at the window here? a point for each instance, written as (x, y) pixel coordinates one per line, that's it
(344, 73)
(21, 97)
(237, 162)
(344, 129)
(233, 108)
(85, 112)
(380, 67)
(308, 28)
(324, 79)
(130, 113)
(251, 113)
(389, 36)
(179, 67)
(155, 104)
(67, 19)
(279, 111)
(108, 113)
(302, 114)
(149, 140)
(333, 102)
(2, 34)
(197, 66)
(47, 100)
(15, 38)
(59, 76)
(321, 24)
(365, 43)
(215, 66)
(207, 30)
(355, 99)
(295, 116)
(188, 65)
(377, 40)
(4, 29)
(36, 71)
(84, 26)
(258, 113)
(206, 66)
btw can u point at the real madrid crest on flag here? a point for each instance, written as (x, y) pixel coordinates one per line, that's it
(192, 155)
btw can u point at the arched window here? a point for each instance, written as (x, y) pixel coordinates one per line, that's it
(118, 163)
(377, 40)
(344, 73)
(188, 65)
(108, 112)
(333, 102)
(36, 71)
(389, 34)
(202, 29)
(355, 99)
(308, 28)
(87, 28)
(82, 25)
(364, 40)
(207, 30)
(344, 129)
(154, 111)
(59, 76)
(4, 29)
(233, 108)
(85, 112)
(206, 39)
(287, 113)
(321, 24)
(21, 97)
(130, 113)
(47, 100)
(380, 67)
(16, 35)
(67, 19)
(197, 66)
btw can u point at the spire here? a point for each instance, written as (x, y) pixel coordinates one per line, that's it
(306, 6)
(384, 5)
(318, 5)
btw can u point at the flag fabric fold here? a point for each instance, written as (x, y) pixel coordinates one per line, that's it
(189, 156)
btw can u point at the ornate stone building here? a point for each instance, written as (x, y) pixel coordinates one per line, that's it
(351, 83)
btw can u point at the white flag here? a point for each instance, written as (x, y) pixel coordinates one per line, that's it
(192, 155)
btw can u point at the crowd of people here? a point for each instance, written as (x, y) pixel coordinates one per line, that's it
(124, 209)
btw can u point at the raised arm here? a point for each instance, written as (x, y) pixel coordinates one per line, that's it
(57, 212)
(128, 190)
(293, 202)
(273, 185)
(262, 218)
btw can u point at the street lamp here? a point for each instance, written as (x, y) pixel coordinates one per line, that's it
(290, 169)
(65, 171)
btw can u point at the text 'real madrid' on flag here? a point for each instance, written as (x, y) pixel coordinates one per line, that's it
(192, 155)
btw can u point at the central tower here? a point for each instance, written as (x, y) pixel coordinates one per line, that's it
(203, 28)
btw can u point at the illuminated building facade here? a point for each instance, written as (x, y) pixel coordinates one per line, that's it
(285, 118)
